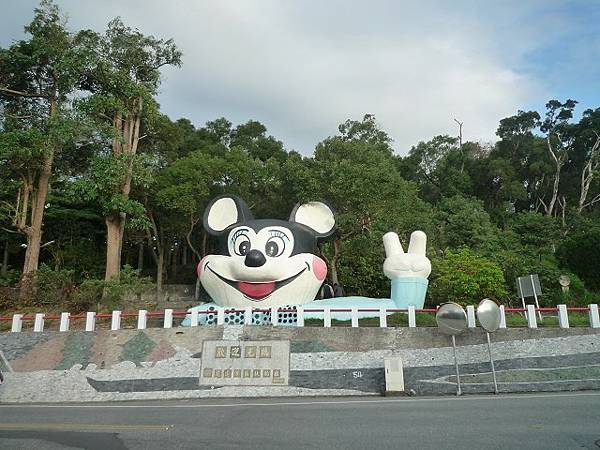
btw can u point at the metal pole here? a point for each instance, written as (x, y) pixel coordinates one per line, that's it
(458, 390)
(492, 363)
(537, 303)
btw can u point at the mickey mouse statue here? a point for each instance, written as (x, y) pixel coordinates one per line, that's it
(264, 263)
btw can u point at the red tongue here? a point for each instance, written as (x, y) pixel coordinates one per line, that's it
(256, 290)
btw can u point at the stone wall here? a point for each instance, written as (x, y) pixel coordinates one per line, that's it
(165, 363)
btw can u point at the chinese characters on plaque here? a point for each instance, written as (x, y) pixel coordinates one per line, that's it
(245, 363)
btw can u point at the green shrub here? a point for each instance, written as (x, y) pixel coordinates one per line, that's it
(52, 287)
(106, 295)
(581, 253)
(465, 278)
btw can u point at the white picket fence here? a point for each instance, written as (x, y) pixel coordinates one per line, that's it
(168, 315)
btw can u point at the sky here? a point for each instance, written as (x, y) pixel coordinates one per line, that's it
(303, 67)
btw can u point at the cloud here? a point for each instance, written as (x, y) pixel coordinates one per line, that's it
(302, 68)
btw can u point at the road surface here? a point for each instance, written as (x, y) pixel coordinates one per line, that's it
(533, 421)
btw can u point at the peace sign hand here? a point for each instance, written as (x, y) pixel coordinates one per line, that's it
(398, 264)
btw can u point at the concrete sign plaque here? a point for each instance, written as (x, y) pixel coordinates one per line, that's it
(245, 363)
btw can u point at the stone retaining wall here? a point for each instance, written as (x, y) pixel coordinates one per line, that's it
(165, 363)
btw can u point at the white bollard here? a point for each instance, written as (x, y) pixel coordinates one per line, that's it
(531, 319)
(142, 319)
(17, 323)
(248, 315)
(90, 321)
(382, 318)
(502, 317)
(274, 316)
(327, 317)
(471, 317)
(300, 316)
(594, 317)
(115, 323)
(412, 317)
(194, 318)
(64, 321)
(354, 315)
(220, 315)
(38, 325)
(168, 322)
(563, 316)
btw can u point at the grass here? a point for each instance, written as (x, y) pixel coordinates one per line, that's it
(513, 320)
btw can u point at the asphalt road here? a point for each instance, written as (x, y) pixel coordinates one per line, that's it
(538, 421)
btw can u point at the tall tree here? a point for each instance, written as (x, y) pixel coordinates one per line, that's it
(559, 139)
(588, 140)
(124, 73)
(37, 76)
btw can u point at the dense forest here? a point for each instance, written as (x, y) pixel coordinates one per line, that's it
(101, 193)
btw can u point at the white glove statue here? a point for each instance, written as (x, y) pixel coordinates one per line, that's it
(408, 271)
(412, 264)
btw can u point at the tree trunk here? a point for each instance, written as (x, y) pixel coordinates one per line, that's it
(160, 268)
(127, 135)
(204, 243)
(175, 261)
(184, 256)
(113, 247)
(558, 162)
(140, 261)
(4, 271)
(34, 231)
(337, 244)
(587, 176)
(128, 256)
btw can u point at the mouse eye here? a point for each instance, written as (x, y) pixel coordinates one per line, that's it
(274, 249)
(275, 245)
(241, 243)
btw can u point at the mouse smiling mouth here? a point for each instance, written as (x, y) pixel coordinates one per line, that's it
(258, 291)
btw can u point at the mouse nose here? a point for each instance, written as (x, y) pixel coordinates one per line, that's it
(255, 258)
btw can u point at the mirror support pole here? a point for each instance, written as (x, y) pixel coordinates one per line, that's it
(458, 390)
(492, 363)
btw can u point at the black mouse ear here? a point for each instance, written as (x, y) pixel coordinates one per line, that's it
(224, 211)
(315, 215)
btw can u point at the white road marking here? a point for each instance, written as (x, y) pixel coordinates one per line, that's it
(501, 397)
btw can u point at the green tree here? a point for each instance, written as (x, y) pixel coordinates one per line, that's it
(355, 173)
(580, 252)
(464, 222)
(37, 78)
(123, 76)
(465, 278)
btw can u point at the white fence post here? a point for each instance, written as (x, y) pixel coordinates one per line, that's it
(300, 316)
(531, 319)
(502, 317)
(115, 323)
(168, 322)
(354, 314)
(194, 318)
(248, 315)
(412, 317)
(471, 317)
(382, 318)
(64, 321)
(274, 316)
(38, 325)
(327, 317)
(563, 316)
(17, 323)
(220, 315)
(594, 317)
(142, 319)
(90, 321)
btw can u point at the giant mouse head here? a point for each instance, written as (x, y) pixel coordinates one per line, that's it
(265, 262)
